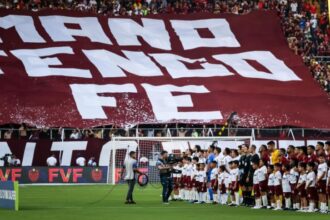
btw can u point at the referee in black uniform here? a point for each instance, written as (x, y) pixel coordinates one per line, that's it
(165, 174)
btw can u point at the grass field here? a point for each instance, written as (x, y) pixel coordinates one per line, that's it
(74, 202)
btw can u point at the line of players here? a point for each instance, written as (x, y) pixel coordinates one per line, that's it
(249, 180)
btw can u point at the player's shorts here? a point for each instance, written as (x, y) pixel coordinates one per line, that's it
(203, 187)
(312, 193)
(244, 183)
(182, 184)
(322, 186)
(193, 183)
(233, 188)
(188, 182)
(222, 188)
(263, 186)
(278, 190)
(214, 185)
(256, 189)
(294, 190)
(287, 194)
(302, 191)
(198, 186)
(271, 190)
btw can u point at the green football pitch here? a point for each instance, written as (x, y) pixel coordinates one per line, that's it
(78, 202)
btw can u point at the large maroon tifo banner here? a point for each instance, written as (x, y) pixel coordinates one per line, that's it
(61, 68)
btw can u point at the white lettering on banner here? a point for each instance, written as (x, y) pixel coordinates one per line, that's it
(67, 148)
(2, 53)
(115, 145)
(153, 31)
(112, 65)
(165, 105)
(4, 149)
(24, 26)
(190, 38)
(177, 69)
(7, 194)
(90, 104)
(89, 27)
(278, 70)
(28, 154)
(36, 66)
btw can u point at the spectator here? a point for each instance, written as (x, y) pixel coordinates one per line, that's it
(22, 131)
(194, 133)
(8, 134)
(75, 134)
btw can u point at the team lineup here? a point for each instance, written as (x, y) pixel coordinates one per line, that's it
(293, 179)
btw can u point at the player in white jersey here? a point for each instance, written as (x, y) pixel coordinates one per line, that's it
(226, 159)
(177, 175)
(256, 187)
(218, 156)
(223, 184)
(278, 186)
(294, 175)
(271, 188)
(286, 186)
(201, 181)
(301, 187)
(184, 178)
(193, 173)
(214, 181)
(321, 183)
(262, 178)
(234, 175)
(310, 186)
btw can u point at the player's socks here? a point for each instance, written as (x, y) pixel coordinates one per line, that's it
(191, 195)
(204, 197)
(237, 199)
(311, 207)
(323, 207)
(215, 198)
(220, 198)
(224, 198)
(196, 195)
(249, 198)
(279, 204)
(264, 200)
(181, 193)
(287, 203)
(184, 194)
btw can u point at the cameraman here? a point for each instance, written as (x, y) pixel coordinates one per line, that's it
(7, 160)
(165, 175)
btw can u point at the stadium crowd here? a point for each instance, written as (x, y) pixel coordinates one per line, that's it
(305, 23)
(294, 179)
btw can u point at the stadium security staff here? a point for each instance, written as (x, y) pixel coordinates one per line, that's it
(165, 174)
(130, 165)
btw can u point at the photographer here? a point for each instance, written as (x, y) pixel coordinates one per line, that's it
(165, 173)
(7, 160)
